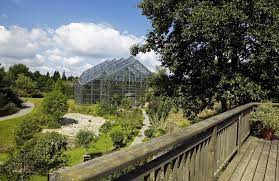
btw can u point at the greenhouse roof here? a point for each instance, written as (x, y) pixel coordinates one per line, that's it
(109, 67)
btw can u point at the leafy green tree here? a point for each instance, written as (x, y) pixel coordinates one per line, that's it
(26, 130)
(84, 137)
(9, 102)
(24, 86)
(56, 76)
(208, 46)
(17, 69)
(39, 155)
(55, 104)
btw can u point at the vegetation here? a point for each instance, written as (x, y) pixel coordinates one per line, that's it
(117, 135)
(55, 104)
(265, 117)
(84, 137)
(9, 102)
(38, 155)
(224, 51)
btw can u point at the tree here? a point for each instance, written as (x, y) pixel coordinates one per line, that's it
(9, 102)
(56, 76)
(64, 76)
(17, 69)
(26, 130)
(39, 155)
(55, 104)
(211, 47)
(24, 86)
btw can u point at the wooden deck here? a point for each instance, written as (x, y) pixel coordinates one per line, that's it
(257, 160)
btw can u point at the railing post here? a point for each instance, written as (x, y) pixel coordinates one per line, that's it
(238, 132)
(212, 154)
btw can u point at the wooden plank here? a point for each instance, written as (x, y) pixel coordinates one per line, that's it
(250, 170)
(233, 164)
(240, 169)
(261, 168)
(271, 164)
(277, 165)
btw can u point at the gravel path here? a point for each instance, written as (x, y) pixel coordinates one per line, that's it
(28, 107)
(76, 122)
(141, 136)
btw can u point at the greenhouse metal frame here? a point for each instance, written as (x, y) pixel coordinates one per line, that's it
(122, 78)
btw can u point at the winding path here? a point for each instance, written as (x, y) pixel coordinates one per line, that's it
(28, 107)
(141, 136)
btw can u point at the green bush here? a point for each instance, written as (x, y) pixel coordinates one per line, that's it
(26, 130)
(84, 137)
(55, 104)
(8, 109)
(149, 132)
(106, 127)
(39, 155)
(265, 117)
(117, 135)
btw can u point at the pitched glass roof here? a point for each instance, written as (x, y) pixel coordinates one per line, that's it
(110, 67)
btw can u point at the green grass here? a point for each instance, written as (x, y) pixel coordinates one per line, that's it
(38, 178)
(101, 146)
(3, 157)
(7, 127)
(75, 155)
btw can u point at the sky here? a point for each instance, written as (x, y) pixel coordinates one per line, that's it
(70, 35)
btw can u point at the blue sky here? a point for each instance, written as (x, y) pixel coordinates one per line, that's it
(121, 14)
(70, 35)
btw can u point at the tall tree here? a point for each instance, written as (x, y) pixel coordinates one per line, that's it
(64, 76)
(17, 69)
(56, 76)
(224, 50)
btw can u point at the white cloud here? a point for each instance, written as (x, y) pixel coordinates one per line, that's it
(73, 47)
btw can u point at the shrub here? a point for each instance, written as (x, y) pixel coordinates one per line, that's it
(117, 135)
(26, 131)
(106, 127)
(84, 137)
(149, 132)
(40, 155)
(8, 109)
(265, 117)
(55, 104)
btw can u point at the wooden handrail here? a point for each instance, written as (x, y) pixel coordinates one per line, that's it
(206, 146)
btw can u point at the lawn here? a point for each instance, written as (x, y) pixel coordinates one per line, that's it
(7, 127)
(98, 147)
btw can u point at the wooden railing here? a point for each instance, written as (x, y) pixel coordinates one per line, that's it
(198, 152)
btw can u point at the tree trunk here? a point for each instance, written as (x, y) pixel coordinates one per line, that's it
(224, 105)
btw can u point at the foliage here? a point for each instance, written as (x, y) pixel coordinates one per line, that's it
(265, 117)
(158, 110)
(38, 155)
(8, 127)
(149, 132)
(126, 103)
(24, 86)
(84, 137)
(56, 76)
(9, 102)
(117, 135)
(16, 70)
(106, 127)
(215, 50)
(102, 144)
(55, 104)
(75, 155)
(177, 118)
(26, 130)
(8, 109)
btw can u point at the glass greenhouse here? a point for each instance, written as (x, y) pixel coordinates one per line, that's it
(110, 79)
